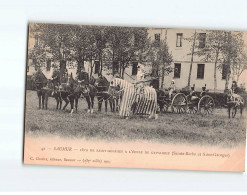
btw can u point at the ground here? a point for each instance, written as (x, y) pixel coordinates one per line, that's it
(214, 129)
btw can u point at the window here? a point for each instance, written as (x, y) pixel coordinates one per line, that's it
(48, 65)
(202, 40)
(179, 40)
(177, 70)
(115, 67)
(134, 68)
(96, 67)
(27, 68)
(157, 37)
(223, 71)
(200, 71)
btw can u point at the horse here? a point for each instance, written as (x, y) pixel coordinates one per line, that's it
(144, 103)
(102, 86)
(234, 101)
(115, 97)
(89, 92)
(43, 94)
(67, 92)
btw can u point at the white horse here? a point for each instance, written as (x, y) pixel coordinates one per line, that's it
(144, 103)
(234, 101)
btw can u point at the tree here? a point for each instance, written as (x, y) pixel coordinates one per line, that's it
(193, 39)
(232, 51)
(239, 66)
(213, 50)
(125, 45)
(53, 38)
(160, 59)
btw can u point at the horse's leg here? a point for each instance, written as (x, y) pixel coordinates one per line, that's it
(66, 102)
(57, 100)
(76, 103)
(43, 100)
(60, 102)
(88, 103)
(106, 105)
(72, 99)
(39, 96)
(229, 111)
(46, 100)
(241, 109)
(235, 111)
(99, 103)
(92, 103)
(111, 105)
(117, 106)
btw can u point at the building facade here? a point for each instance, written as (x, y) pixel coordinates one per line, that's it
(180, 47)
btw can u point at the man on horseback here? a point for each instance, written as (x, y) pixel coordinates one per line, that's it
(83, 77)
(234, 100)
(140, 79)
(233, 92)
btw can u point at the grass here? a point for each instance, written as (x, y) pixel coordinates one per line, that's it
(214, 129)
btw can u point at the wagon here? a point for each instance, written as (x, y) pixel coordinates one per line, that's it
(177, 102)
(200, 103)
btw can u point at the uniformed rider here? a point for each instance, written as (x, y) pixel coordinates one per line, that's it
(140, 79)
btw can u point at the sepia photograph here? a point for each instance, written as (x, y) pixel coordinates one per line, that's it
(162, 98)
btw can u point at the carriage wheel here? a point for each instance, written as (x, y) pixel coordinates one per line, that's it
(164, 109)
(179, 103)
(206, 105)
(192, 107)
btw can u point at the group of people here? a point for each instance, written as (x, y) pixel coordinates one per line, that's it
(140, 82)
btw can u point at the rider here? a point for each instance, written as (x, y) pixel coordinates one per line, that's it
(56, 79)
(233, 92)
(140, 78)
(171, 89)
(103, 82)
(235, 88)
(83, 77)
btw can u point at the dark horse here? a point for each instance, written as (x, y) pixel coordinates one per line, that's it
(89, 92)
(107, 92)
(102, 86)
(68, 92)
(43, 93)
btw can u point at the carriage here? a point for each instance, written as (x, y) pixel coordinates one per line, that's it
(177, 102)
(186, 101)
(200, 102)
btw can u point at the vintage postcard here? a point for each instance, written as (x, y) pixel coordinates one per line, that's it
(159, 98)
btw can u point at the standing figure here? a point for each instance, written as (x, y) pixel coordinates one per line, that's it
(171, 89)
(139, 81)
